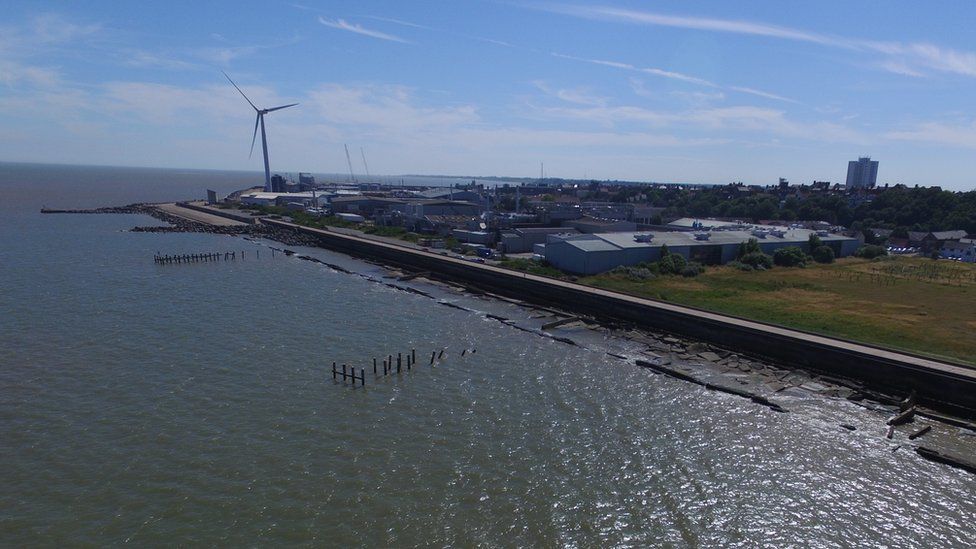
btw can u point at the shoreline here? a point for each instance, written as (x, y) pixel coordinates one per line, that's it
(941, 385)
(938, 384)
(718, 367)
(775, 387)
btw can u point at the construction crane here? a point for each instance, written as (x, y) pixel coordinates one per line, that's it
(365, 165)
(349, 161)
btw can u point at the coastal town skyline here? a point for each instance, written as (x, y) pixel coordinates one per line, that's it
(691, 93)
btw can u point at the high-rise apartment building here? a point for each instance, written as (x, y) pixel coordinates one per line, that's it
(862, 173)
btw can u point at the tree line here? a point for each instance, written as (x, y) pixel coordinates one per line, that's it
(899, 207)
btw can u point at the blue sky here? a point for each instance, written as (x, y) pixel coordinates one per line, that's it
(665, 91)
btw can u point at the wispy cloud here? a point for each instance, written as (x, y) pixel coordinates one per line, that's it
(398, 22)
(760, 93)
(654, 71)
(20, 46)
(908, 58)
(899, 67)
(55, 29)
(676, 76)
(144, 59)
(695, 97)
(452, 33)
(702, 117)
(342, 24)
(902, 58)
(697, 23)
(961, 135)
(577, 96)
(224, 55)
(13, 73)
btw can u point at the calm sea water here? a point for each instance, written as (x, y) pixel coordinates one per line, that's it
(193, 405)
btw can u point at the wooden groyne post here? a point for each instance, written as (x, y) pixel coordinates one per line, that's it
(161, 259)
(351, 374)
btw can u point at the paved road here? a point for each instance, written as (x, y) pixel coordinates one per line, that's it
(194, 215)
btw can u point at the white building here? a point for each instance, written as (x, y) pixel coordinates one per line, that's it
(596, 253)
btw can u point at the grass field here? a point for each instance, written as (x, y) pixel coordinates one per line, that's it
(913, 304)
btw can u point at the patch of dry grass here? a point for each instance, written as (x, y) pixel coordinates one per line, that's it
(912, 304)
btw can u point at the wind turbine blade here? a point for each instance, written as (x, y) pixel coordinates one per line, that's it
(281, 107)
(257, 120)
(238, 89)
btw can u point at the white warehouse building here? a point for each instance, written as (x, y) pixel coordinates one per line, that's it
(596, 253)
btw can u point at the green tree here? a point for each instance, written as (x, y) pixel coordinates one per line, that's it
(823, 254)
(790, 256)
(814, 242)
(871, 251)
(757, 260)
(672, 264)
(748, 247)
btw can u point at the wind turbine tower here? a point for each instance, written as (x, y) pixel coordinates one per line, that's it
(259, 121)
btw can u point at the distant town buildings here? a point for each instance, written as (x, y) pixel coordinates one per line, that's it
(862, 173)
(591, 227)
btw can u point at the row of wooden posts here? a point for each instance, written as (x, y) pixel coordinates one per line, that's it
(349, 373)
(197, 258)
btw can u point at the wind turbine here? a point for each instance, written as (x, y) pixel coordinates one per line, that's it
(259, 121)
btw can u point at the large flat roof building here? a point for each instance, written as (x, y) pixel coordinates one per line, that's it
(596, 253)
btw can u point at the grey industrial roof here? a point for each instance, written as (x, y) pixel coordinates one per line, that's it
(546, 230)
(949, 235)
(689, 221)
(444, 192)
(594, 245)
(594, 221)
(360, 198)
(678, 239)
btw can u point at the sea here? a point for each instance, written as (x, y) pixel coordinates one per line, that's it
(195, 405)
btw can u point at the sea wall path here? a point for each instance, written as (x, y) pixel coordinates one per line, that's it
(941, 385)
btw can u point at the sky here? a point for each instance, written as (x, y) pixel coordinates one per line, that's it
(670, 91)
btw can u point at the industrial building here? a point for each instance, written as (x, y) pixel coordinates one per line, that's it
(589, 254)
(450, 193)
(306, 199)
(524, 239)
(364, 205)
(421, 208)
(596, 225)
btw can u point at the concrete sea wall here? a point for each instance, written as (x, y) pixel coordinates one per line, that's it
(940, 385)
(220, 213)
